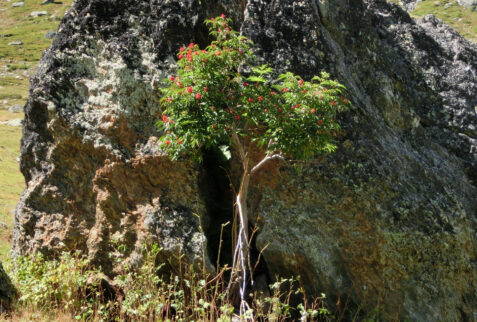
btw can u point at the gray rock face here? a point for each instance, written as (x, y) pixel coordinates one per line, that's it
(386, 225)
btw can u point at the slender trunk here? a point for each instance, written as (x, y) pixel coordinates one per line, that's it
(243, 213)
(242, 262)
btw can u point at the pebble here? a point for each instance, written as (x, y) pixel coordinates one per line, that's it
(50, 34)
(14, 122)
(17, 108)
(18, 4)
(15, 43)
(38, 13)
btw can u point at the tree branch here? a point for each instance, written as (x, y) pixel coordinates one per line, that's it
(265, 160)
(237, 142)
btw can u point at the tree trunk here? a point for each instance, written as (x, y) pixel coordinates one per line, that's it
(242, 263)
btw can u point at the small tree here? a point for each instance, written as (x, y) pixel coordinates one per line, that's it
(210, 103)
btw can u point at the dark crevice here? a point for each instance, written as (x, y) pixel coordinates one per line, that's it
(218, 197)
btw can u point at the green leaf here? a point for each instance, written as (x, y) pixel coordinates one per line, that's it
(257, 79)
(225, 152)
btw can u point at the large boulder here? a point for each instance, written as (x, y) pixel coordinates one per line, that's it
(386, 226)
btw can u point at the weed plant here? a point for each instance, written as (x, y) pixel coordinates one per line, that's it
(69, 285)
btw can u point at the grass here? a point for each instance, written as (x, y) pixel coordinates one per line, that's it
(18, 63)
(463, 20)
(12, 181)
(18, 23)
(13, 67)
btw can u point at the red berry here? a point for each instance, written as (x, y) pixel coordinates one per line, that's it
(320, 122)
(245, 84)
(189, 89)
(260, 98)
(332, 103)
(181, 56)
(179, 141)
(206, 89)
(222, 16)
(250, 99)
(181, 49)
(168, 142)
(198, 96)
(172, 78)
(272, 93)
(285, 90)
(237, 117)
(312, 111)
(219, 53)
(191, 45)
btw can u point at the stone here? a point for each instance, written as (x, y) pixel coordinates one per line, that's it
(50, 34)
(18, 4)
(386, 226)
(15, 43)
(409, 5)
(38, 13)
(8, 292)
(13, 122)
(45, 2)
(17, 108)
(467, 3)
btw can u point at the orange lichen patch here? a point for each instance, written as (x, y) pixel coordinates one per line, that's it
(118, 130)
